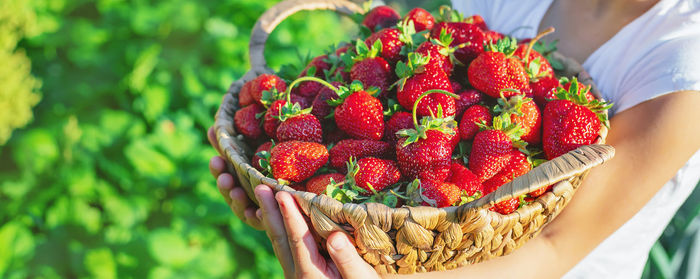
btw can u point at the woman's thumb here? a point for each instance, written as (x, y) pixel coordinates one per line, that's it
(346, 258)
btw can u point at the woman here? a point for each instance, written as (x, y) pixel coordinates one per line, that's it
(645, 57)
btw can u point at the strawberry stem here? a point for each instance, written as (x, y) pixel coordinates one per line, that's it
(426, 93)
(534, 40)
(302, 79)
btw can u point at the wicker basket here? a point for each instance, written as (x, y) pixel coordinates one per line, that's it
(415, 239)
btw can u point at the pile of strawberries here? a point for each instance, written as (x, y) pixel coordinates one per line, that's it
(417, 111)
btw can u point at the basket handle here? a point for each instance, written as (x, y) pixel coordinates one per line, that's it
(273, 16)
(573, 163)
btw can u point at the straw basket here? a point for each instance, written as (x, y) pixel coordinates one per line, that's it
(415, 239)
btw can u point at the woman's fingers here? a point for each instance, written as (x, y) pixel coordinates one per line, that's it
(212, 139)
(301, 242)
(271, 218)
(346, 259)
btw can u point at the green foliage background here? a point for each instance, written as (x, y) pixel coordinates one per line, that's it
(110, 180)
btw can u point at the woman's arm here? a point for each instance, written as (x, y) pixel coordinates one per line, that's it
(652, 140)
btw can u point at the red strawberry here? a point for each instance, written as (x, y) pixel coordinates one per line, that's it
(331, 133)
(438, 58)
(478, 21)
(491, 148)
(544, 89)
(582, 89)
(518, 164)
(422, 19)
(340, 153)
(525, 113)
(373, 175)
(304, 102)
(380, 17)
(370, 69)
(540, 191)
(439, 194)
(464, 179)
(317, 66)
(571, 121)
(507, 206)
(271, 121)
(456, 86)
(468, 125)
(467, 99)
(244, 97)
(320, 106)
(399, 121)
(425, 152)
(360, 115)
(301, 127)
(496, 70)
(416, 79)
(536, 65)
(247, 123)
(297, 160)
(265, 82)
(318, 184)
(468, 36)
(493, 36)
(255, 162)
(391, 44)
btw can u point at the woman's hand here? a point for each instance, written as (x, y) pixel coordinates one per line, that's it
(234, 195)
(279, 214)
(295, 245)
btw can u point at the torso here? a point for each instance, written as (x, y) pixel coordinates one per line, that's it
(596, 21)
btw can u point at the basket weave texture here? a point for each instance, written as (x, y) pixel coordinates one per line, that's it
(415, 239)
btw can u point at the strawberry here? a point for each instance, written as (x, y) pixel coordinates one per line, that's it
(425, 151)
(439, 194)
(296, 161)
(370, 69)
(318, 184)
(491, 148)
(247, 122)
(255, 162)
(582, 89)
(301, 127)
(331, 133)
(360, 115)
(380, 17)
(320, 106)
(416, 79)
(464, 179)
(468, 125)
(540, 191)
(496, 70)
(399, 121)
(493, 36)
(373, 174)
(265, 82)
(525, 113)
(439, 51)
(571, 121)
(271, 120)
(478, 21)
(518, 164)
(544, 89)
(535, 64)
(456, 86)
(390, 41)
(469, 39)
(358, 149)
(422, 19)
(506, 207)
(244, 97)
(467, 99)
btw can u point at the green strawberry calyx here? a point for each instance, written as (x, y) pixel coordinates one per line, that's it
(507, 46)
(437, 122)
(512, 105)
(415, 64)
(409, 36)
(577, 94)
(512, 130)
(466, 198)
(264, 161)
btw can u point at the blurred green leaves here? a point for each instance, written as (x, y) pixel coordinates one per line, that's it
(111, 178)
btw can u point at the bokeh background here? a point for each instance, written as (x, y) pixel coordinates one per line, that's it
(105, 174)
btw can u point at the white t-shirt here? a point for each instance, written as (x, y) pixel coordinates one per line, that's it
(656, 54)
